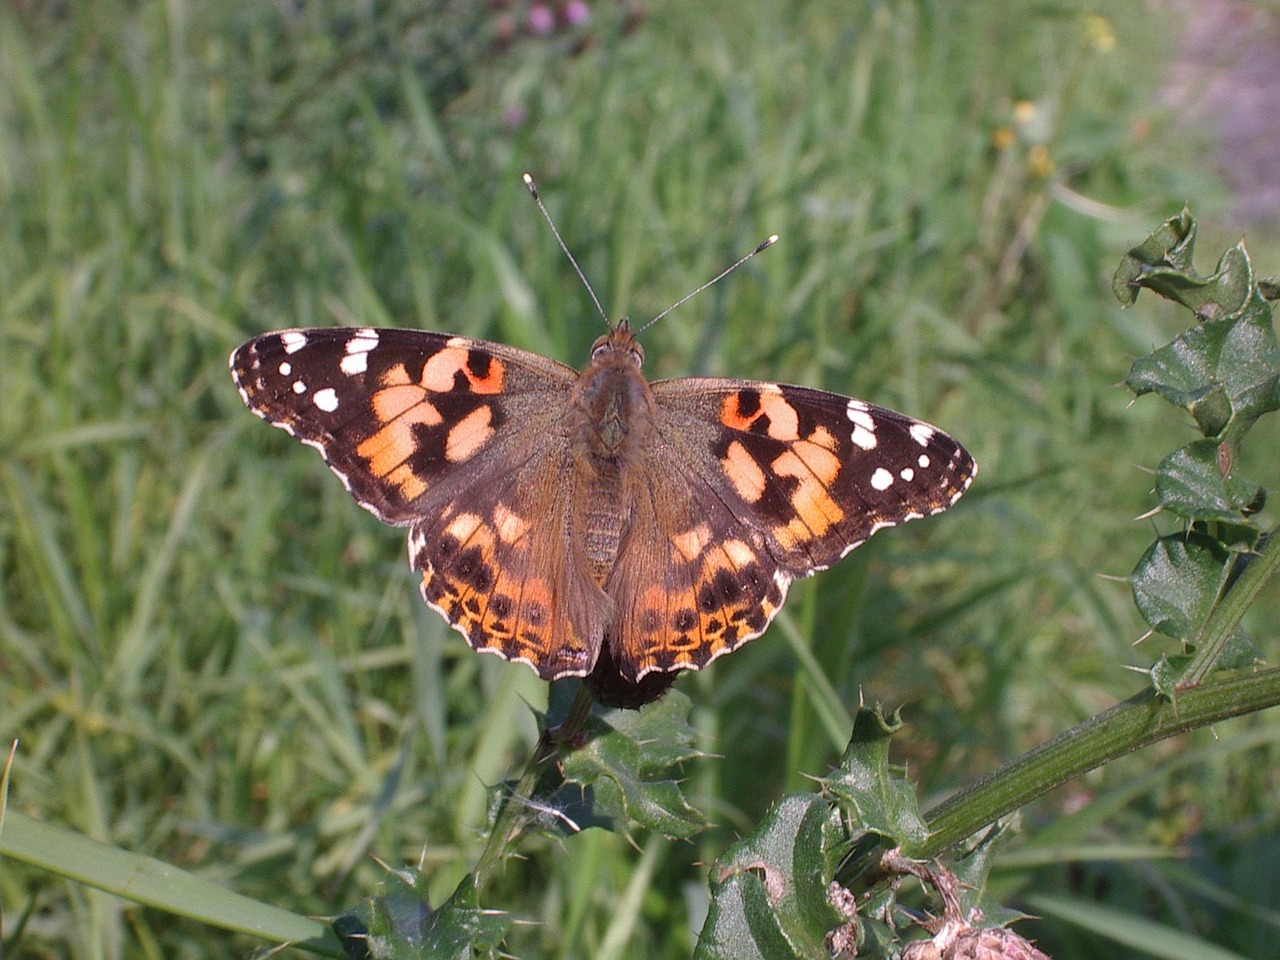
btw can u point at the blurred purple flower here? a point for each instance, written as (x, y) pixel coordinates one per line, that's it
(514, 116)
(541, 20)
(576, 13)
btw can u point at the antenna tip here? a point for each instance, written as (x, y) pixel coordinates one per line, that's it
(528, 182)
(766, 245)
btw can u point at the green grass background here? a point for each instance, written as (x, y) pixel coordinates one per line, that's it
(212, 656)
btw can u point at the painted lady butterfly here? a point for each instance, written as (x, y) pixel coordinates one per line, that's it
(593, 524)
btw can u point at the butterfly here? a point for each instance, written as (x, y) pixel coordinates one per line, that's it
(593, 524)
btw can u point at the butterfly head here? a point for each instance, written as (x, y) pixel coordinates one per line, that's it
(619, 347)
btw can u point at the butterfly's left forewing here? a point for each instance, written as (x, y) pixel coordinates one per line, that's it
(405, 418)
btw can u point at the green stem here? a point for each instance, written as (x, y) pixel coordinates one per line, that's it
(1137, 722)
(509, 821)
(1225, 617)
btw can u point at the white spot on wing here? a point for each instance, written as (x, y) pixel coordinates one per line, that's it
(357, 350)
(293, 340)
(882, 479)
(416, 542)
(354, 363)
(857, 412)
(864, 427)
(326, 399)
(922, 433)
(924, 461)
(285, 368)
(907, 474)
(299, 387)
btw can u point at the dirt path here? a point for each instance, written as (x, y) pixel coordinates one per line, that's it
(1227, 88)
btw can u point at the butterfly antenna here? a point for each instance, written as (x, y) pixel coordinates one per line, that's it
(718, 277)
(533, 189)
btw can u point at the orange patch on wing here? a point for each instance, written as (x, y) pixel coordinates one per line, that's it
(739, 553)
(815, 468)
(463, 526)
(411, 485)
(492, 379)
(815, 508)
(537, 591)
(743, 472)
(466, 607)
(499, 621)
(823, 438)
(651, 620)
(731, 414)
(468, 435)
(534, 616)
(391, 402)
(730, 601)
(510, 527)
(806, 458)
(692, 542)
(394, 443)
(783, 421)
(396, 376)
(441, 369)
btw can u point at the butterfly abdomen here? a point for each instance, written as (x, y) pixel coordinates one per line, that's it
(610, 424)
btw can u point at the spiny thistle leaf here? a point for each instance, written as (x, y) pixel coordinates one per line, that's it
(609, 778)
(1225, 373)
(1171, 245)
(875, 799)
(1226, 370)
(1177, 582)
(400, 924)
(1191, 484)
(1163, 263)
(769, 891)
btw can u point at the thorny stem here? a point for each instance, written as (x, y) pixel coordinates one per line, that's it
(509, 821)
(1137, 722)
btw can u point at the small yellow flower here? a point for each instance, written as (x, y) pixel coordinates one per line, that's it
(1039, 161)
(1100, 33)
